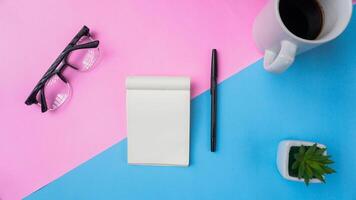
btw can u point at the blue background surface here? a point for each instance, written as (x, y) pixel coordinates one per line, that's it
(315, 100)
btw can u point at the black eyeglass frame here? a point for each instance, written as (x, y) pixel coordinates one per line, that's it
(55, 70)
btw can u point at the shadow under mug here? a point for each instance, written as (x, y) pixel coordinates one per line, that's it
(280, 45)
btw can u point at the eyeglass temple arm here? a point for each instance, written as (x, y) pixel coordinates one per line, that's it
(88, 45)
(84, 31)
(44, 106)
(32, 97)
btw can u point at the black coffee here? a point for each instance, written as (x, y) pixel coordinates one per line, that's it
(304, 18)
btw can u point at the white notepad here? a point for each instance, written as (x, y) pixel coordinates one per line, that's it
(158, 119)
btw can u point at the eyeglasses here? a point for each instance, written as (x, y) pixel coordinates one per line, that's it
(53, 89)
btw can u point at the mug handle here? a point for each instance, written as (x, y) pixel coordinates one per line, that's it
(279, 63)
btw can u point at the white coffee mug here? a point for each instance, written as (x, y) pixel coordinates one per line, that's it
(280, 46)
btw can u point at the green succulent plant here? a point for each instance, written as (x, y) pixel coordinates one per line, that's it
(311, 162)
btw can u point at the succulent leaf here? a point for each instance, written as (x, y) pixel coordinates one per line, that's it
(308, 171)
(317, 167)
(319, 176)
(302, 149)
(295, 165)
(328, 161)
(301, 170)
(311, 150)
(320, 151)
(328, 170)
(306, 180)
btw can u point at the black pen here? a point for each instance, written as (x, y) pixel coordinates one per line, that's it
(213, 93)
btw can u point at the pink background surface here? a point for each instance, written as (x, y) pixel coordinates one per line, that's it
(138, 37)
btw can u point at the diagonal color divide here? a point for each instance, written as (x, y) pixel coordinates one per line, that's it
(137, 37)
(314, 100)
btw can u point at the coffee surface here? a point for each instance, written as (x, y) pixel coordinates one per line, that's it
(304, 18)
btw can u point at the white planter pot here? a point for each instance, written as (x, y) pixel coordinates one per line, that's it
(283, 158)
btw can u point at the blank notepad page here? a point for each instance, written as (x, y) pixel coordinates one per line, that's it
(158, 117)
